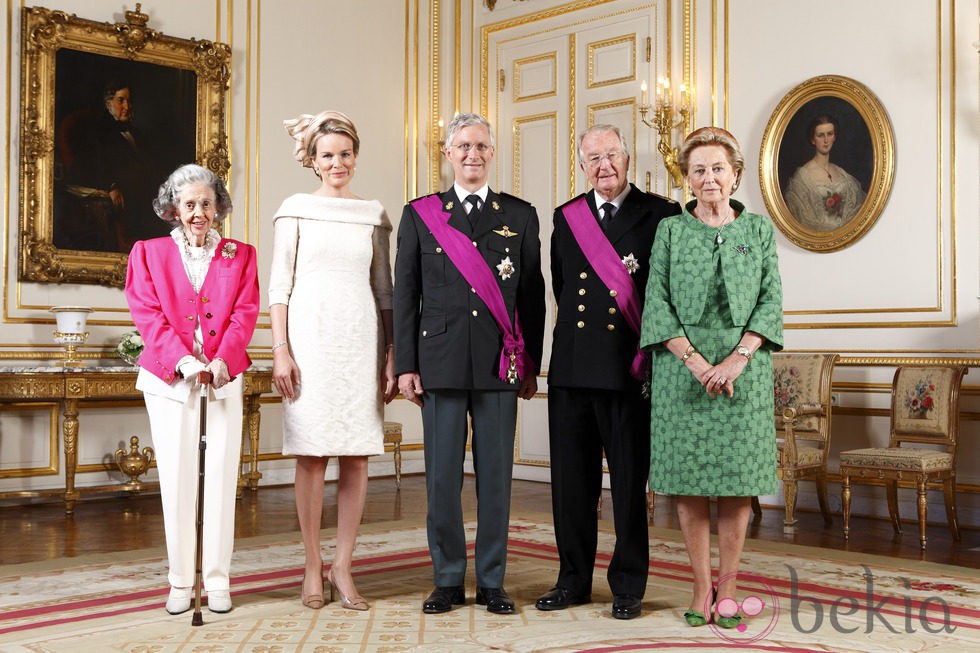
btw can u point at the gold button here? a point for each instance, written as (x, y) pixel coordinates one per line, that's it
(438, 250)
(581, 291)
(204, 299)
(612, 293)
(581, 308)
(472, 289)
(475, 313)
(425, 333)
(474, 243)
(507, 249)
(190, 317)
(610, 327)
(612, 311)
(583, 275)
(580, 324)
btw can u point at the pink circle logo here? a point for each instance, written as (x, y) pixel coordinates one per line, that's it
(756, 613)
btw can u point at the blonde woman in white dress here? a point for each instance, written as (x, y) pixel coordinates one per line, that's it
(333, 359)
(820, 194)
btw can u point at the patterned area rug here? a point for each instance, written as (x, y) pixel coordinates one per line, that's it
(803, 600)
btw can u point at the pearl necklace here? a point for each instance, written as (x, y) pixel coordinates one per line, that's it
(196, 260)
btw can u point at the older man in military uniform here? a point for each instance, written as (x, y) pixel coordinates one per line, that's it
(600, 250)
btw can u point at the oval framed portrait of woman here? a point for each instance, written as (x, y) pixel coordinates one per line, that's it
(827, 163)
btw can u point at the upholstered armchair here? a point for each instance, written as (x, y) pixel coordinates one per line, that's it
(925, 411)
(801, 388)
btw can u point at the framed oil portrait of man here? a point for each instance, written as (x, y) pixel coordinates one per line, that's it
(827, 163)
(108, 111)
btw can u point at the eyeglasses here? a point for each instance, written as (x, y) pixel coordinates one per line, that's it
(595, 160)
(479, 147)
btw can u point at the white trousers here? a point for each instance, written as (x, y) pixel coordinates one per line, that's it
(175, 429)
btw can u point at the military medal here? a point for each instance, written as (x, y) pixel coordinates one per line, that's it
(506, 268)
(449, 205)
(632, 265)
(496, 206)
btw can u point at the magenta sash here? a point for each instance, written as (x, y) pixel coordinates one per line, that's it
(605, 261)
(514, 361)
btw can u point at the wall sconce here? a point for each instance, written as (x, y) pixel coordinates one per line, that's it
(441, 138)
(663, 121)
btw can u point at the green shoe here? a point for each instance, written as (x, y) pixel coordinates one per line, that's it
(729, 622)
(695, 618)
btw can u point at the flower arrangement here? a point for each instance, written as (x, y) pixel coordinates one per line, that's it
(130, 346)
(834, 204)
(919, 400)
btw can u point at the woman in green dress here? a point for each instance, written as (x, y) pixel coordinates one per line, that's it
(712, 318)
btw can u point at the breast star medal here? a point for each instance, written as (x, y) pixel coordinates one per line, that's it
(505, 232)
(506, 268)
(632, 265)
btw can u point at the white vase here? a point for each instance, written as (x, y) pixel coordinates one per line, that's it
(70, 331)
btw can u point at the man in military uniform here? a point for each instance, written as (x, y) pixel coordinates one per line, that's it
(600, 250)
(469, 327)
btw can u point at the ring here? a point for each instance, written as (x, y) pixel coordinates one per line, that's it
(722, 380)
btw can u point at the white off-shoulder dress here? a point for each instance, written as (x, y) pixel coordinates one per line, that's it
(330, 266)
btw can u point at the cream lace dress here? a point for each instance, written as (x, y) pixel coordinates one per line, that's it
(330, 266)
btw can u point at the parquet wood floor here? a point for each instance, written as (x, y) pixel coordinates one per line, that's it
(41, 531)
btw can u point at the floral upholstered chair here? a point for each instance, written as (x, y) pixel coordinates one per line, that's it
(925, 411)
(801, 388)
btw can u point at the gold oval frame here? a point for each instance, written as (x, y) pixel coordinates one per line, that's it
(882, 137)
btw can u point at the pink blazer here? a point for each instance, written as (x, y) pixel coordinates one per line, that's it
(166, 309)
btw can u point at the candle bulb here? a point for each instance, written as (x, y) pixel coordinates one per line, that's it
(683, 95)
(643, 94)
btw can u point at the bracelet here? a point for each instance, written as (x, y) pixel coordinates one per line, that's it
(281, 343)
(389, 346)
(687, 354)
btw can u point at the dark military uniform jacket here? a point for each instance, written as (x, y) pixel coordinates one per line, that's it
(443, 330)
(593, 344)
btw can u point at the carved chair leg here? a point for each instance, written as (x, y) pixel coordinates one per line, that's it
(949, 494)
(846, 503)
(789, 501)
(821, 481)
(891, 492)
(923, 512)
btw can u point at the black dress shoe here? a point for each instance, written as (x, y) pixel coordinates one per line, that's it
(559, 598)
(442, 599)
(496, 600)
(626, 606)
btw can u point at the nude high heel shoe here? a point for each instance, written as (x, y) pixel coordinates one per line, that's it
(351, 603)
(313, 601)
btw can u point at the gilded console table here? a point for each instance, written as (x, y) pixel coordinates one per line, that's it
(69, 386)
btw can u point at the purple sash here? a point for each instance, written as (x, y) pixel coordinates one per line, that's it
(514, 361)
(605, 261)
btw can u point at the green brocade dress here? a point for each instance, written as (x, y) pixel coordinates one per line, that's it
(704, 446)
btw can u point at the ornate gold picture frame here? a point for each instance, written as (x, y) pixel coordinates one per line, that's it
(827, 163)
(108, 110)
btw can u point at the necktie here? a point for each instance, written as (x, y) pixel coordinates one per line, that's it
(607, 214)
(474, 202)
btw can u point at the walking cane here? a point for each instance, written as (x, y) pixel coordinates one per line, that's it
(204, 378)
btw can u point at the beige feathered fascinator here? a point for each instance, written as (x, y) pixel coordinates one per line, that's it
(304, 128)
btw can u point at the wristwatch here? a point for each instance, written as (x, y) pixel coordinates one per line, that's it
(742, 350)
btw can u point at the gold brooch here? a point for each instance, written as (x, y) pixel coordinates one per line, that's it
(495, 205)
(505, 232)
(449, 205)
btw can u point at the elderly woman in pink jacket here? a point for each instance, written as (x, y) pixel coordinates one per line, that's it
(194, 296)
